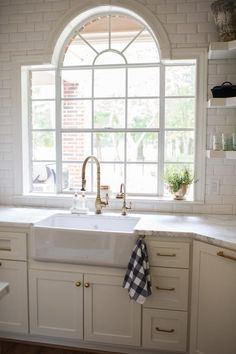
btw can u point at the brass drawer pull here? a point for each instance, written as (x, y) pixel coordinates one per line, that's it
(165, 330)
(166, 255)
(167, 289)
(221, 254)
(87, 285)
(77, 283)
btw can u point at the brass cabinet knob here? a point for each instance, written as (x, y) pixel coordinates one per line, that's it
(87, 285)
(77, 283)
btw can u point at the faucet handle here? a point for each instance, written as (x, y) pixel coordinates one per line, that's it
(120, 195)
(106, 201)
(125, 208)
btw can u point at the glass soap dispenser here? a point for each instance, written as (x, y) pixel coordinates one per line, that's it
(79, 204)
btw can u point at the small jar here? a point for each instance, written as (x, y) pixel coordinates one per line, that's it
(227, 142)
(217, 142)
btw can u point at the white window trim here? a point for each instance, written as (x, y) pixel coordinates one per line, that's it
(140, 203)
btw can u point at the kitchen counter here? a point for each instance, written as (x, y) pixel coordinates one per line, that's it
(219, 230)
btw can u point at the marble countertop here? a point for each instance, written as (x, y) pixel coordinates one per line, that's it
(216, 229)
(219, 230)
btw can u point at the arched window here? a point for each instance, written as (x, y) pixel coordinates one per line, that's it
(111, 96)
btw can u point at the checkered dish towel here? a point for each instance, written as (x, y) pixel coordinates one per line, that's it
(137, 278)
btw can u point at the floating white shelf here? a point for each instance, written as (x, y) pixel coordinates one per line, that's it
(222, 50)
(221, 154)
(229, 102)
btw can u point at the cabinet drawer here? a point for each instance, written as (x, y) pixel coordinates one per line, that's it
(13, 245)
(168, 254)
(169, 289)
(165, 330)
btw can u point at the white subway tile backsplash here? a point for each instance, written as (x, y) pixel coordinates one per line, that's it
(176, 18)
(222, 209)
(226, 68)
(187, 28)
(214, 199)
(199, 38)
(224, 170)
(229, 199)
(186, 7)
(230, 180)
(25, 27)
(198, 17)
(8, 28)
(227, 189)
(18, 18)
(178, 38)
(206, 27)
(204, 6)
(34, 17)
(165, 9)
(17, 37)
(43, 26)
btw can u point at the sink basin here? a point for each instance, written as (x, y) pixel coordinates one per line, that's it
(84, 239)
(90, 222)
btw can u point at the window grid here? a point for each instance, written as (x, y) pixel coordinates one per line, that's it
(59, 130)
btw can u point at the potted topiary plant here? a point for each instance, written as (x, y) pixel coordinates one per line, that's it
(178, 181)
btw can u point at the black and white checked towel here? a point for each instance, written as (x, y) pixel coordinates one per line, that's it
(137, 278)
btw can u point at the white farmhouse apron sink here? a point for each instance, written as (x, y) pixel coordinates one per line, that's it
(84, 239)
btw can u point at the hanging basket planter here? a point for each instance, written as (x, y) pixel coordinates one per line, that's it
(224, 12)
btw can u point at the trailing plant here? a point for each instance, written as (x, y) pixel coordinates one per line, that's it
(176, 178)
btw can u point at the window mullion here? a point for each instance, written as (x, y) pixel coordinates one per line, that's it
(58, 132)
(92, 134)
(126, 125)
(161, 136)
(30, 130)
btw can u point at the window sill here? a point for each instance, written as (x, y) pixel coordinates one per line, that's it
(139, 204)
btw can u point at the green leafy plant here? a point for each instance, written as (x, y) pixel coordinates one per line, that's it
(176, 178)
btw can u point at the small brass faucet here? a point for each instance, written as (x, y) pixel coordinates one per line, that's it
(99, 204)
(122, 195)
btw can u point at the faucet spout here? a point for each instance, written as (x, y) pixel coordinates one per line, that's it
(99, 204)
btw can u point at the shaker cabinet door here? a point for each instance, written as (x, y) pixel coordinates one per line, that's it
(56, 303)
(213, 314)
(110, 316)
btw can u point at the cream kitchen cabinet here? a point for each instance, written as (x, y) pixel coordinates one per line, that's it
(110, 316)
(13, 270)
(56, 303)
(93, 307)
(165, 312)
(213, 315)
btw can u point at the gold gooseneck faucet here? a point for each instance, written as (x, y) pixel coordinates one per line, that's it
(99, 204)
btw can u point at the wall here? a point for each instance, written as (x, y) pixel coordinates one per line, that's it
(26, 25)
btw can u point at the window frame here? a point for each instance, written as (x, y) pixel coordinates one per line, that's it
(178, 54)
